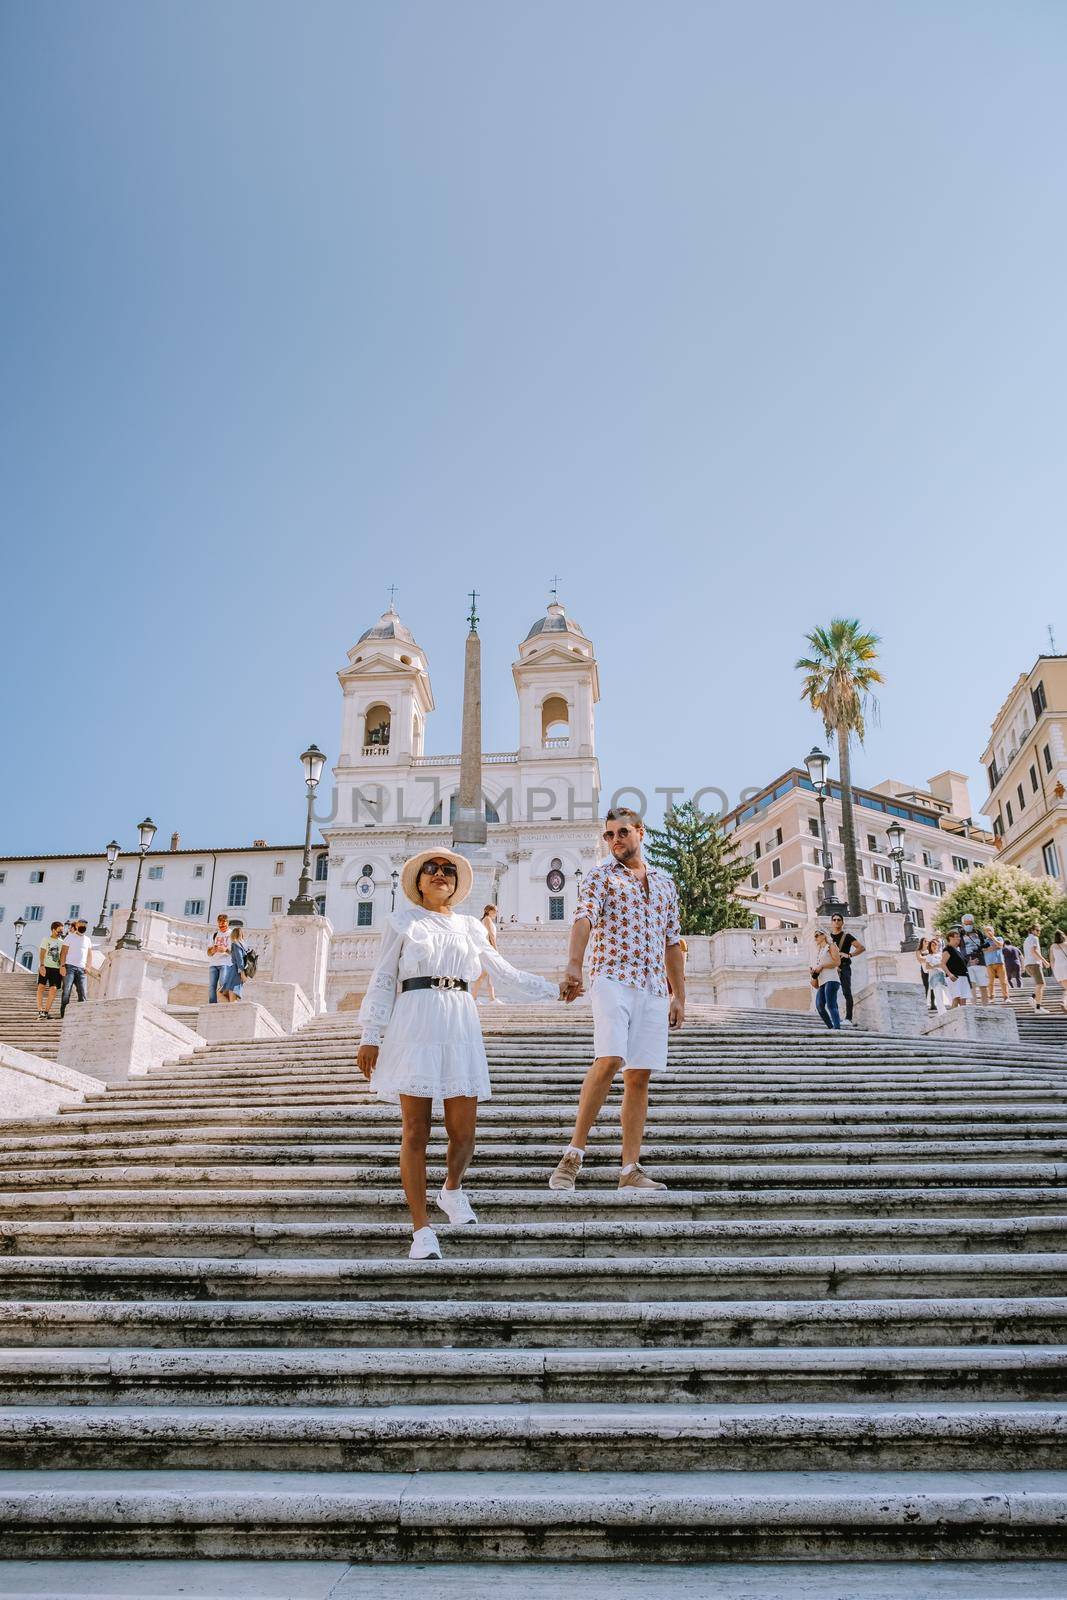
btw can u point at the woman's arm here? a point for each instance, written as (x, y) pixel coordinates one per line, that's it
(378, 1002)
(512, 982)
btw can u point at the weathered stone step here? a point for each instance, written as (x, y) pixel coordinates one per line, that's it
(386, 1203)
(633, 1236)
(567, 1516)
(286, 1377)
(541, 1437)
(621, 1278)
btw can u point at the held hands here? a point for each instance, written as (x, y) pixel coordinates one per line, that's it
(571, 985)
(367, 1059)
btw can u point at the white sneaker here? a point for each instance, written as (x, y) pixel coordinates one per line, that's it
(845, 1023)
(1040, 1011)
(456, 1206)
(424, 1246)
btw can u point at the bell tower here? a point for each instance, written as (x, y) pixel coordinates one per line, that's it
(558, 685)
(387, 698)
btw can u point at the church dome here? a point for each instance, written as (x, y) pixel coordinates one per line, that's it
(388, 626)
(555, 620)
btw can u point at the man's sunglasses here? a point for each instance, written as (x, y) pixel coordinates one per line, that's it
(439, 866)
(620, 833)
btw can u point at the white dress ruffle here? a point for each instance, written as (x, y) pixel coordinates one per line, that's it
(431, 1039)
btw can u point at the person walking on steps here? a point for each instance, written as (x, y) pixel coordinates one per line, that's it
(825, 978)
(49, 977)
(849, 947)
(957, 970)
(219, 956)
(1034, 965)
(631, 911)
(1058, 955)
(484, 983)
(433, 1056)
(74, 963)
(974, 945)
(233, 978)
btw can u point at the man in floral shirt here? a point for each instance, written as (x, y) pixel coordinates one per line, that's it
(631, 911)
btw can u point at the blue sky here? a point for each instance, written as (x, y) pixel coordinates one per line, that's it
(736, 317)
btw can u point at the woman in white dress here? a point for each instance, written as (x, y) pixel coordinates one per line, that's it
(1058, 958)
(433, 1056)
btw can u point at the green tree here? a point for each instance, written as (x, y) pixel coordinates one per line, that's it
(1008, 898)
(706, 866)
(838, 678)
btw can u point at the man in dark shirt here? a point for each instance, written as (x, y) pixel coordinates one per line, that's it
(849, 946)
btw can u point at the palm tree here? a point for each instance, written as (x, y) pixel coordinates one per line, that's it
(838, 678)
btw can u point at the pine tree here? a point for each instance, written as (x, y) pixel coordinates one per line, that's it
(706, 867)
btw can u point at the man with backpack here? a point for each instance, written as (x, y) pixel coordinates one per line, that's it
(974, 944)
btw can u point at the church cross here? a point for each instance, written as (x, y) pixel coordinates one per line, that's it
(392, 596)
(473, 618)
(555, 586)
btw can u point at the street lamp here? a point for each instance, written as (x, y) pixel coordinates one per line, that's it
(394, 878)
(313, 762)
(100, 931)
(131, 940)
(19, 926)
(818, 765)
(895, 831)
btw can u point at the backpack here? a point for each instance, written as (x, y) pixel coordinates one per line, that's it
(251, 963)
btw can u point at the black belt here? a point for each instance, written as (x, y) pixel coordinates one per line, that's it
(433, 983)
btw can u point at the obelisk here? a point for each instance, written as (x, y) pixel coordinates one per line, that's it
(469, 833)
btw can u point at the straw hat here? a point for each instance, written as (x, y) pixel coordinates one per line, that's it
(409, 874)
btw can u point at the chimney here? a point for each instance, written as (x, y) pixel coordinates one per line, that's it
(175, 841)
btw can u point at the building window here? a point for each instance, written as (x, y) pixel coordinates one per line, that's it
(75, 911)
(1033, 779)
(26, 959)
(198, 870)
(555, 908)
(79, 875)
(365, 914)
(994, 775)
(1011, 815)
(276, 905)
(840, 835)
(322, 867)
(238, 891)
(155, 872)
(872, 842)
(930, 860)
(279, 869)
(778, 836)
(112, 908)
(757, 850)
(882, 873)
(117, 874)
(194, 908)
(37, 875)
(153, 905)
(754, 880)
(1051, 859)
(886, 905)
(3, 877)
(1037, 695)
(911, 880)
(934, 886)
(918, 916)
(1022, 797)
(813, 826)
(34, 913)
(1047, 757)
(960, 864)
(320, 904)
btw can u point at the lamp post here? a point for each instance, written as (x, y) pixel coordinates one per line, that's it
(895, 832)
(19, 926)
(818, 765)
(131, 940)
(394, 878)
(313, 762)
(100, 931)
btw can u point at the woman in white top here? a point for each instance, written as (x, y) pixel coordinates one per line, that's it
(484, 983)
(1058, 954)
(433, 1055)
(937, 977)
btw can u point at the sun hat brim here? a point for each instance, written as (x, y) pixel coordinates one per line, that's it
(409, 874)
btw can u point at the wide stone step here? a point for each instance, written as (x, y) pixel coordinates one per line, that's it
(434, 1324)
(623, 1278)
(559, 1237)
(285, 1377)
(559, 1516)
(540, 1437)
(385, 1203)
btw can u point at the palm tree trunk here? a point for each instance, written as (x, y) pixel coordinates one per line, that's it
(848, 824)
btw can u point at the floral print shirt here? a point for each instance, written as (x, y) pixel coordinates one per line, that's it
(631, 929)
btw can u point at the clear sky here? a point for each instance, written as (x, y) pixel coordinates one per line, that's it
(735, 316)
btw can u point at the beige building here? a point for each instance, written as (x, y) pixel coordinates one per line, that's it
(778, 831)
(1026, 764)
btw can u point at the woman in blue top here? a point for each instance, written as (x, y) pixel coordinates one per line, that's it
(233, 982)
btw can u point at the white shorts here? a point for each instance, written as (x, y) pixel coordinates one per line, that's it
(630, 1023)
(958, 988)
(979, 973)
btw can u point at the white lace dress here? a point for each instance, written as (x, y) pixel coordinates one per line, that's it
(433, 1037)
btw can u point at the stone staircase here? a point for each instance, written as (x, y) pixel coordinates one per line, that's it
(840, 1335)
(19, 1023)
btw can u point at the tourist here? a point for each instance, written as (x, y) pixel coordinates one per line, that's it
(1013, 964)
(433, 1055)
(219, 953)
(233, 978)
(1058, 953)
(957, 970)
(849, 947)
(994, 961)
(1034, 964)
(49, 977)
(825, 978)
(631, 911)
(75, 963)
(973, 944)
(921, 955)
(937, 981)
(484, 981)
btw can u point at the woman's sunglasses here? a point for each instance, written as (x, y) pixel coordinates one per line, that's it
(439, 866)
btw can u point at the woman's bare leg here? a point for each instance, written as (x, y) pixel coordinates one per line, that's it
(461, 1118)
(415, 1112)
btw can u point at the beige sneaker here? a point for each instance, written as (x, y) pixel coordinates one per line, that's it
(638, 1178)
(566, 1172)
